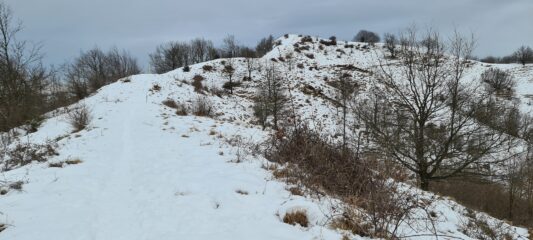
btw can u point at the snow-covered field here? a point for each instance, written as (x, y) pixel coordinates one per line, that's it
(147, 173)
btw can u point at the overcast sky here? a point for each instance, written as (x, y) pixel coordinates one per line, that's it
(65, 27)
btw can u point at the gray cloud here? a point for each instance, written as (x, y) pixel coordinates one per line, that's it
(67, 26)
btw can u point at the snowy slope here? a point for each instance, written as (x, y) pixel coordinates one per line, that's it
(148, 173)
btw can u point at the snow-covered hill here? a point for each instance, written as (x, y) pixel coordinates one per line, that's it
(148, 173)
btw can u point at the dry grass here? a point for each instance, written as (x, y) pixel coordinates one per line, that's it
(202, 107)
(197, 83)
(170, 103)
(16, 185)
(296, 217)
(324, 168)
(343, 223)
(62, 163)
(297, 191)
(73, 161)
(56, 165)
(242, 192)
(207, 68)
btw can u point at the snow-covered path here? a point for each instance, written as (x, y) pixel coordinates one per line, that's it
(146, 176)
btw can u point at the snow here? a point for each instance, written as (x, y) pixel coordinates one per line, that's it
(148, 173)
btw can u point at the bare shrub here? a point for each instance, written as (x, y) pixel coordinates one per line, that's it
(25, 153)
(181, 109)
(207, 68)
(56, 165)
(306, 39)
(202, 107)
(216, 90)
(478, 227)
(498, 81)
(79, 117)
(170, 103)
(242, 192)
(155, 88)
(73, 161)
(231, 85)
(197, 83)
(296, 217)
(323, 167)
(16, 185)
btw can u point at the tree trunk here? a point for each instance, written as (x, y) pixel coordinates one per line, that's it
(424, 183)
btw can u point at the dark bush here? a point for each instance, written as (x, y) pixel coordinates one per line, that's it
(366, 37)
(230, 85)
(306, 39)
(170, 103)
(207, 68)
(197, 83)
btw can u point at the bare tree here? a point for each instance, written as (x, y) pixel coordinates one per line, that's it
(170, 56)
(229, 71)
(346, 87)
(250, 60)
(366, 37)
(121, 64)
(264, 46)
(524, 55)
(201, 50)
(22, 77)
(230, 47)
(94, 69)
(422, 116)
(390, 44)
(271, 99)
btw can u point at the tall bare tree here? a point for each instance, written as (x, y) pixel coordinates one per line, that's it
(391, 43)
(346, 88)
(229, 71)
(95, 68)
(422, 113)
(230, 47)
(170, 56)
(524, 55)
(250, 60)
(264, 46)
(271, 99)
(22, 77)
